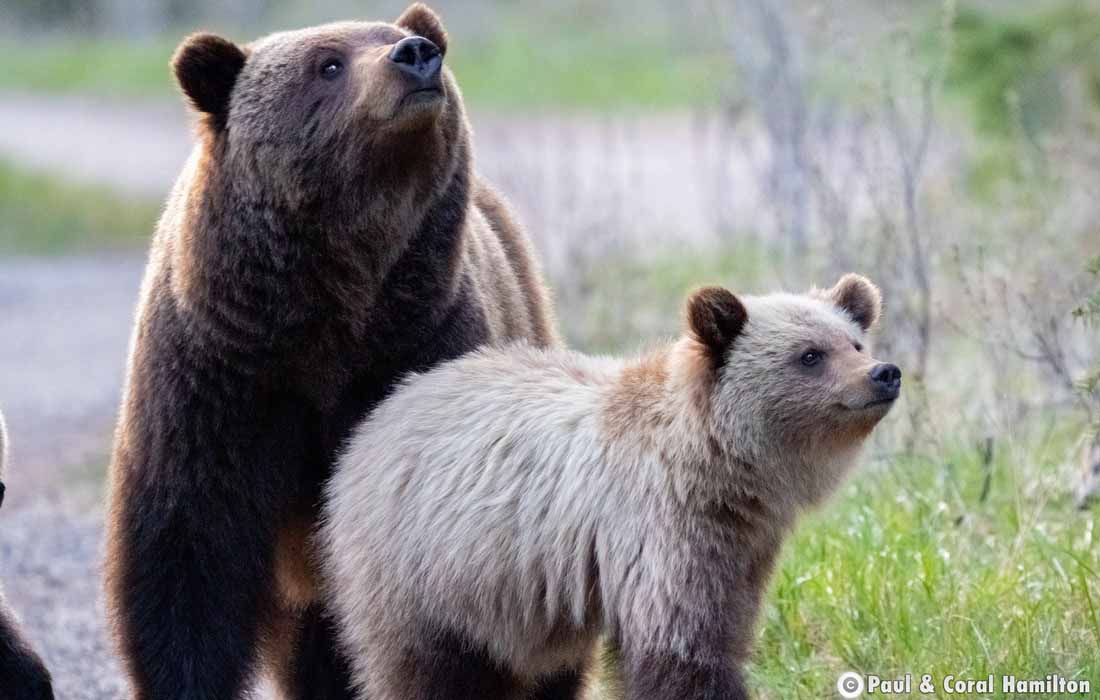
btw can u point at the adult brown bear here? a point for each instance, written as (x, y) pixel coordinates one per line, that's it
(326, 237)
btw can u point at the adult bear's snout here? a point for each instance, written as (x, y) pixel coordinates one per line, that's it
(418, 58)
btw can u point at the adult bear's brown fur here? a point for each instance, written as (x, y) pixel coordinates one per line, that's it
(327, 236)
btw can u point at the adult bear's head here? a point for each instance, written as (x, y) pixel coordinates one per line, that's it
(341, 111)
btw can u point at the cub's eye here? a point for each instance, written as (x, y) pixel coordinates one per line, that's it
(331, 68)
(811, 357)
(858, 347)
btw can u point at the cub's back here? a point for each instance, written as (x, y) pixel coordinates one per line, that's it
(471, 478)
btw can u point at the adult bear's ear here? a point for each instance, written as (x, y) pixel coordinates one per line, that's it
(206, 67)
(422, 21)
(715, 317)
(859, 297)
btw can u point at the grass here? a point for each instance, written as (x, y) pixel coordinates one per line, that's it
(911, 573)
(515, 70)
(43, 213)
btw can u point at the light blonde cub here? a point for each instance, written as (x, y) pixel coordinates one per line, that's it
(497, 515)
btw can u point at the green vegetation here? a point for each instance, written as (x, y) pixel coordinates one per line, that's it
(1014, 68)
(588, 69)
(94, 66)
(913, 572)
(1020, 73)
(583, 69)
(46, 214)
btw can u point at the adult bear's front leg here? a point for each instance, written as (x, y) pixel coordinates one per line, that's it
(315, 668)
(199, 486)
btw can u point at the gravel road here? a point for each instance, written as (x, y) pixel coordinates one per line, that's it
(64, 324)
(573, 178)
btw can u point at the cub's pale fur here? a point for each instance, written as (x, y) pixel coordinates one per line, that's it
(509, 507)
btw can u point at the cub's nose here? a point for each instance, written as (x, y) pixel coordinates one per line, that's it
(887, 379)
(418, 58)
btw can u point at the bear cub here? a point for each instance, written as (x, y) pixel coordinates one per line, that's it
(498, 514)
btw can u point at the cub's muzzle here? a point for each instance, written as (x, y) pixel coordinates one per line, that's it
(886, 380)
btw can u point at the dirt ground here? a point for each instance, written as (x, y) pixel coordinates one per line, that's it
(64, 324)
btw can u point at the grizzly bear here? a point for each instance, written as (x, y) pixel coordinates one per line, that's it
(497, 514)
(327, 236)
(23, 676)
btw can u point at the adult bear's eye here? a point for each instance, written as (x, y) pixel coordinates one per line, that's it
(331, 68)
(811, 357)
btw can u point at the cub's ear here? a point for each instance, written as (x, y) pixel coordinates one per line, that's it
(715, 317)
(206, 67)
(422, 21)
(859, 297)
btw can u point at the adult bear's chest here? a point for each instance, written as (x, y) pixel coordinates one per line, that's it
(343, 375)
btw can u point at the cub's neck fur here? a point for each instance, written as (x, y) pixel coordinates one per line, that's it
(662, 404)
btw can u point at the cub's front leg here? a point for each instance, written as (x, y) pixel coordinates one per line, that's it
(685, 622)
(665, 676)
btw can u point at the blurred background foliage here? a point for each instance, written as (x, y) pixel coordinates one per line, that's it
(602, 55)
(1019, 69)
(1015, 61)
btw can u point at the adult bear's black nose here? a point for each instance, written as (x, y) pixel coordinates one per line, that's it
(887, 378)
(417, 57)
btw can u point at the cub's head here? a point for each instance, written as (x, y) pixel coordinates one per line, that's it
(319, 107)
(793, 379)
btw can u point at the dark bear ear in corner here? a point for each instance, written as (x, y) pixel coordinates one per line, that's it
(716, 317)
(422, 21)
(207, 67)
(859, 297)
